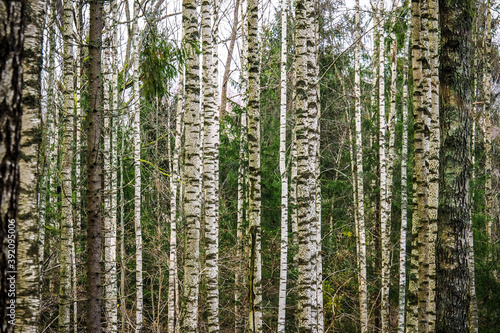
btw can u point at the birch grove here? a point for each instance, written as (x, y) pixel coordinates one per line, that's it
(249, 165)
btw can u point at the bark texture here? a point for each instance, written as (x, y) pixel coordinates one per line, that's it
(191, 171)
(11, 82)
(28, 296)
(455, 166)
(94, 171)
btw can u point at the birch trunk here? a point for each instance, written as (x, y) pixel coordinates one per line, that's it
(136, 110)
(28, 295)
(404, 188)
(210, 166)
(254, 203)
(94, 171)
(454, 167)
(433, 201)
(173, 283)
(307, 120)
(487, 135)
(361, 236)
(11, 83)
(473, 317)
(283, 172)
(239, 321)
(384, 205)
(65, 291)
(191, 172)
(419, 170)
(110, 289)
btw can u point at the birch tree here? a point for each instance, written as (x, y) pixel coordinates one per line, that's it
(65, 291)
(109, 100)
(384, 205)
(404, 187)
(11, 81)
(28, 291)
(254, 177)
(191, 171)
(210, 165)
(360, 200)
(307, 120)
(455, 165)
(136, 110)
(94, 170)
(283, 171)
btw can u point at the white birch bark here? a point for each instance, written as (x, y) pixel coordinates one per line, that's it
(65, 287)
(136, 110)
(473, 317)
(283, 172)
(29, 218)
(384, 205)
(360, 200)
(307, 125)
(434, 138)
(210, 167)
(110, 287)
(404, 190)
(191, 172)
(254, 203)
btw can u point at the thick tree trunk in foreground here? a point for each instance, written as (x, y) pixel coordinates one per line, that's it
(455, 166)
(191, 172)
(94, 171)
(28, 291)
(11, 81)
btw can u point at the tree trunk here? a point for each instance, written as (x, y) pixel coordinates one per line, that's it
(404, 188)
(254, 203)
(455, 166)
(307, 125)
(94, 171)
(110, 289)
(210, 166)
(65, 291)
(191, 172)
(361, 235)
(283, 172)
(28, 292)
(11, 83)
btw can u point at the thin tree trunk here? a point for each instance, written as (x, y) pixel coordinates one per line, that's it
(28, 292)
(229, 59)
(65, 291)
(94, 171)
(384, 205)
(191, 172)
(136, 109)
(473, 317)
(419, 170)
(455, 168)
(360, 200)
(110, 289)
(404, 188)
(283, 172)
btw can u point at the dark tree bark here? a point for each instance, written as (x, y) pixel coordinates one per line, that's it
(11, 80)
(94, 170)
(455, 165)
